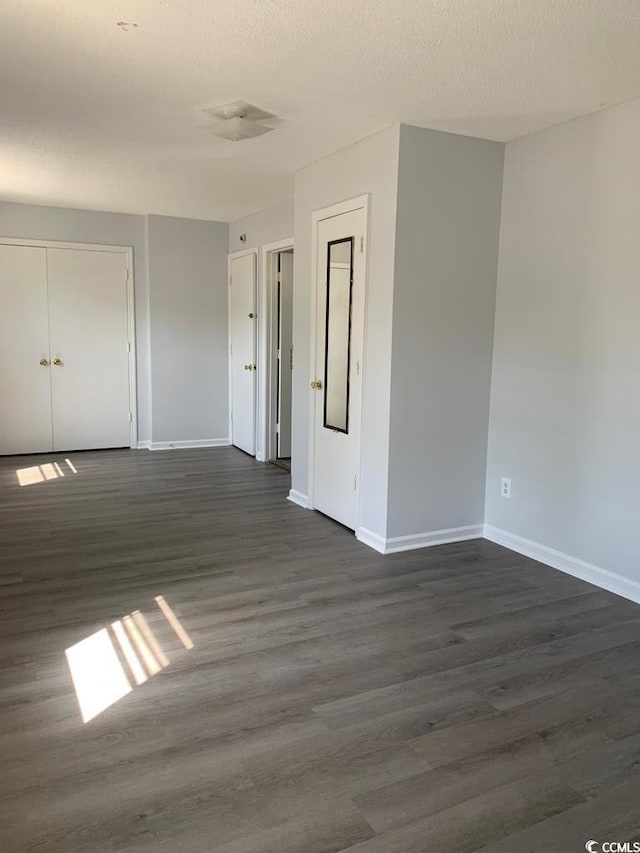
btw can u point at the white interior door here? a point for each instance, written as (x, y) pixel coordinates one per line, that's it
(285, 354)
(242, 333)
(89, 349)
(25, 383)
(337, 387)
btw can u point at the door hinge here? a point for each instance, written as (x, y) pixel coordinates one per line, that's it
(230, 349)
(355, 482)
(361, 245)
(229, 281)
(358, 367)
(278, 354)
(130, 417)
(290, 358)
(128, 346)
(127, 269)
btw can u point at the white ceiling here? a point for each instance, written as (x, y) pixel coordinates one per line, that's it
(95, 116)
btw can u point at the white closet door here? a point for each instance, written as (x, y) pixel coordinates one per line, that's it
(25, 384)
(89, 349)
(242, 313)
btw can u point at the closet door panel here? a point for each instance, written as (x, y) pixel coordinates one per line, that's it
(25, 383)
(89, 349)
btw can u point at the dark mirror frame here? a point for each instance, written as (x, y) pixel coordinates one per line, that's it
(350, 241)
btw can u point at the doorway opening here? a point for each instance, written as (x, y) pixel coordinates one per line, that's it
(279, 292)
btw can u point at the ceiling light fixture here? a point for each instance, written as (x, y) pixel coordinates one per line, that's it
(238, 120)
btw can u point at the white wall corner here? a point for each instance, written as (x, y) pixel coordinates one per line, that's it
(185, 445)
(299, 499)
(419, 540)
(603, 578)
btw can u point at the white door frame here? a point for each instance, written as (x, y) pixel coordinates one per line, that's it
(266, 381)
(127, 251)
(362, 201)
(232, 257)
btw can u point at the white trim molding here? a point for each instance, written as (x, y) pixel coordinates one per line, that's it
(299, 499)
(368, 537)
(419, 540)
(186, 445)
(603, 578)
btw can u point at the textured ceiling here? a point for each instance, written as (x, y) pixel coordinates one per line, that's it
(97, 115)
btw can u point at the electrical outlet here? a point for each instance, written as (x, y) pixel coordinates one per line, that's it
(505, 487)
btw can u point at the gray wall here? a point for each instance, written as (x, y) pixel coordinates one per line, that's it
(565, 405)
(266, 226)
(448, 220)
(369, 166)
(189, 328)
(28, 221)
(180, 271)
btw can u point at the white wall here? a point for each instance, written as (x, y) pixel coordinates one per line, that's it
(266, 226)
(189, 329)
(28, 221)
(448, 220)
(565, 399)
(369, 166)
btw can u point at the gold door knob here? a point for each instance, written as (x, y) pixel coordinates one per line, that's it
(316, 385)
(44, 362)
(57, 362)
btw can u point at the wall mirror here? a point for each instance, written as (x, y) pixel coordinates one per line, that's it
(338, 334)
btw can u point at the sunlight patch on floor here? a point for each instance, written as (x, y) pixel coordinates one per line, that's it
(104, 665)
(42, 473)
(98, 676)
(175, 623)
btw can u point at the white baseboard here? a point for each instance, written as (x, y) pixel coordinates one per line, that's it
(419, 540)
(373, 540)
(603, 578)
(298, 498)
(185, 445)
(143, 445)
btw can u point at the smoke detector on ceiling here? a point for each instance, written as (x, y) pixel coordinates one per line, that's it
(238, 120)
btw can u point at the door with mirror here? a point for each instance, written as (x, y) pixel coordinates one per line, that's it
(337, 386)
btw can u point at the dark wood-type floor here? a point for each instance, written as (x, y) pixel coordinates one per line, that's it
(454, 699)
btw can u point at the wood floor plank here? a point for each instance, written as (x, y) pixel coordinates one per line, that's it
(456, 698)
